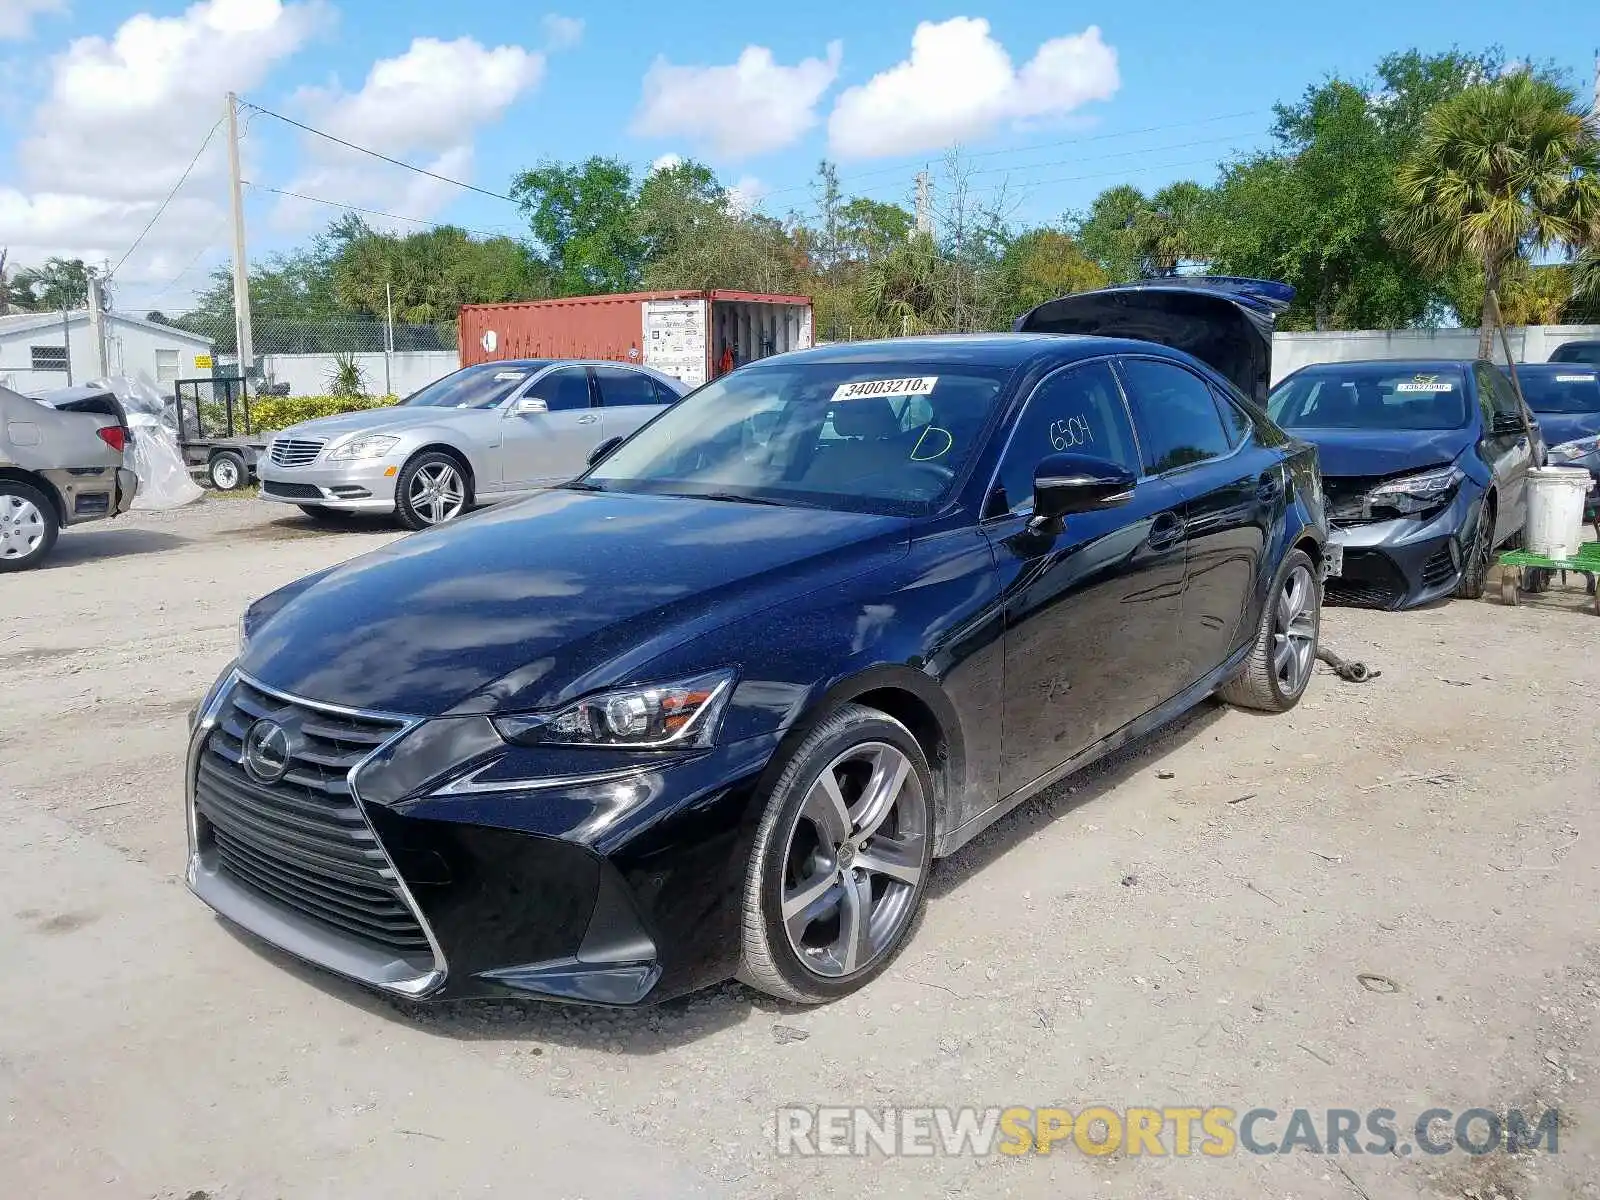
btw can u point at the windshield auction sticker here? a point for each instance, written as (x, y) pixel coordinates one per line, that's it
(1575, 378)
(1425, 385)
(921, 385)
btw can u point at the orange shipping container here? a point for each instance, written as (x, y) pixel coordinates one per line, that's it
(683, 334)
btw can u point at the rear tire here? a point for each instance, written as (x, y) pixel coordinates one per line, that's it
(849, 856)
(28, 526)
(1475, 571)
(1281, 662)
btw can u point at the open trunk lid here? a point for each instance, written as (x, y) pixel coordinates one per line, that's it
(1224, 321)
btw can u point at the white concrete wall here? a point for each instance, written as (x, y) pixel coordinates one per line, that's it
(1532, 343)
(308, 374)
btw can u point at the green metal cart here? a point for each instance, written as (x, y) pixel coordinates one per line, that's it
(1523, 572)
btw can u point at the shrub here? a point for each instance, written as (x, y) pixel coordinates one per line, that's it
(347, 379)
(271, 413)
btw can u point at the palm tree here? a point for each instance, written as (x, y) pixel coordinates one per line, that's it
(1501, 170)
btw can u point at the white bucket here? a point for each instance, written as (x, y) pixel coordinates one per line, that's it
(1555, 510)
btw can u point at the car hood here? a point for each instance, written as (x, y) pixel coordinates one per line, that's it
(526, 606)
(1366, 452)
(368, 421)
(1566, 427)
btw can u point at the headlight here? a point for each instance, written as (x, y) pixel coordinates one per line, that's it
(679, 715)
(374, 445)
(1417, 493)
(1572, 451)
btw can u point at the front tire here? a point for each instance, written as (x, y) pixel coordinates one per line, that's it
(432, 488)
(1475, 571)
(1279, 668)
(28, 526)
(838, 874)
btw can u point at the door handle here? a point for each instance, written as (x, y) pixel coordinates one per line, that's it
(587, 419)
(1165, 531)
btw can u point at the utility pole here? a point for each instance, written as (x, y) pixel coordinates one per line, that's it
(241, 265)
(388, 337)
(66, 341)
(97, 326)
(924, 218)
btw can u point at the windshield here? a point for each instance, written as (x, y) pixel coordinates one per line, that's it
(868, 437)
(473, 387)
(1577, 352)
(1370, 396)
(1574, 390)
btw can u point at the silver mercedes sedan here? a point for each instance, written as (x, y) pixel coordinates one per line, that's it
(484, 434)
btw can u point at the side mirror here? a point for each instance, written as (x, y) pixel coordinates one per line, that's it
(529, 406)
(1506, 423)
(1064, 484)
(603, 449)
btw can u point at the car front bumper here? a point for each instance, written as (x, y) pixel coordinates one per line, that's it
(1405, 562)
(362, 486)
(618, 887)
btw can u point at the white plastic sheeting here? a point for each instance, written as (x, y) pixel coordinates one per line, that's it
(164, 480)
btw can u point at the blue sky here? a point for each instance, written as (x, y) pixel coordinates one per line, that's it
(107, 100)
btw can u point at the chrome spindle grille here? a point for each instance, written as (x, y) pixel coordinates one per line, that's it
(302, 841)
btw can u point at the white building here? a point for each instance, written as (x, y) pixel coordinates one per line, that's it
(37, 349)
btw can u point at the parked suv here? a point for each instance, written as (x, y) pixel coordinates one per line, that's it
(714, 707)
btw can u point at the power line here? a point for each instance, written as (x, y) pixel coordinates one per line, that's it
(372, 212)
(111, 274)
(1062, 162)
(211, 244)
(471, 187)
(1098, 137)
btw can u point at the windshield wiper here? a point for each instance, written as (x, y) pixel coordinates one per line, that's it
(583, 485)
(732, 498)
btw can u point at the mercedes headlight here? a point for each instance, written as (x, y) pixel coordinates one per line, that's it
(374, 445)
(1572, 451)
(1418, 493)
(683, 714)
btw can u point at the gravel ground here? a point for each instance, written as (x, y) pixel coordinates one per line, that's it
(1182, 926)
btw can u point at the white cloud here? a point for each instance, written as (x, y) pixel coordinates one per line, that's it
(424, 106)
(752, 106)
(119, 121)
(666, 162)
(16, 16)
(959, 84)
(561, 33)
(746, 194)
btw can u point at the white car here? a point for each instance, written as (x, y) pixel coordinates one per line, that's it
(482, 435)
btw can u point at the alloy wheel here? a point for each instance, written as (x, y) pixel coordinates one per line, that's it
(437, 492)
(1294, 631)
(22, 527)
(853, 861)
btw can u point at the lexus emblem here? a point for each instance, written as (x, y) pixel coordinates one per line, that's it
(266, 751)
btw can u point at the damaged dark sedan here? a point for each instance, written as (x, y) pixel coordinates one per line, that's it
(715, 707)
(1425, 465)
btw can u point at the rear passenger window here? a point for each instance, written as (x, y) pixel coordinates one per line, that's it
(1075, 411)
(1234, 422)
(563, 389)
(620, 387)
(1177, 417)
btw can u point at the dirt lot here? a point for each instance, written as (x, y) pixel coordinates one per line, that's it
(1185, 926)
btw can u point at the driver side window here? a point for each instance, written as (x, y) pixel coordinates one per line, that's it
(1078, 410)
(562, 389)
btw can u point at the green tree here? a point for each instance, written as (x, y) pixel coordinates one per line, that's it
(1135, 236)
(1042, 264)
(60, 283)
(868, 229)
(1502, 170)
(583, 217)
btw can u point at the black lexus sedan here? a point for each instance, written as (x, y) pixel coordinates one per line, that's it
(1425, 465)
(713, 708)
